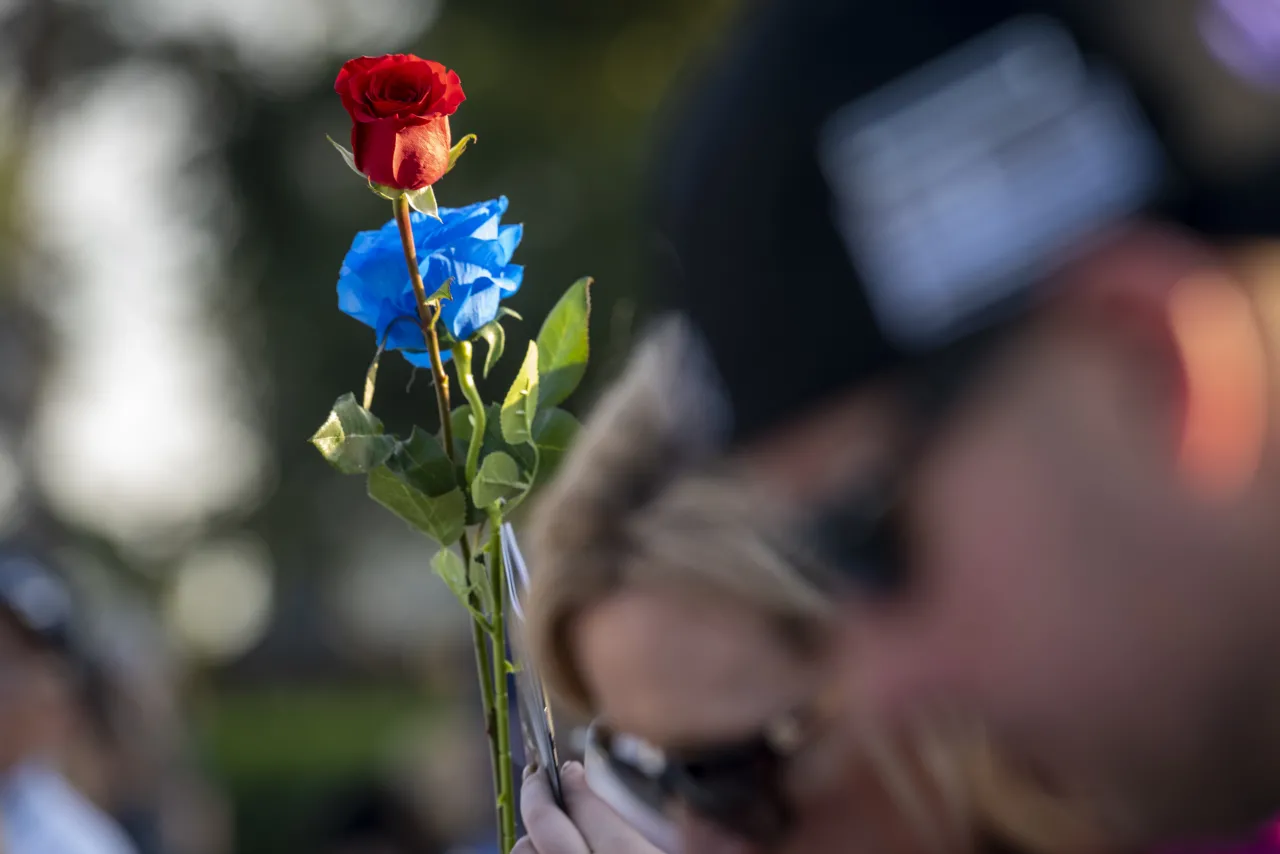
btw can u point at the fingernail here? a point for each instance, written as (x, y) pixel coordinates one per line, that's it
(571, 767)
(530, 770)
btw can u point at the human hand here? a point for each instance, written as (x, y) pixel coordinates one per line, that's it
(590, 826)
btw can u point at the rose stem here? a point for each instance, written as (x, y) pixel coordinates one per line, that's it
(506, 801)
(495, 719)
(427, 313)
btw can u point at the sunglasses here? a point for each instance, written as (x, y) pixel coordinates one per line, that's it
(737, 786)
(863, 533)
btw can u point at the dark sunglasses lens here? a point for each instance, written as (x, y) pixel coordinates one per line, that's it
(741, 793)
(865, 541)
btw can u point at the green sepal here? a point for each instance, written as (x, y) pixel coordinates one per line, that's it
(347, 156)
(495, 336)
(423, 201)
(445, 291)
(456, 151)
(388, 193)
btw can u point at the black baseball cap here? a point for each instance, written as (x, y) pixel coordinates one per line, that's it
(853, 187)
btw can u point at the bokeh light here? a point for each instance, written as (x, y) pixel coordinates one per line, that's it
(221, 596)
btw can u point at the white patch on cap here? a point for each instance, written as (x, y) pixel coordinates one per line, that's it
(958, 184)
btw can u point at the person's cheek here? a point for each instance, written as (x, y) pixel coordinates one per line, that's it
(988, 536)
(858, 790)
(699, 836)
(969, 617)
(863, 819)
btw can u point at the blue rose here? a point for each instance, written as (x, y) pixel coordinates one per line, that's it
(468, 245)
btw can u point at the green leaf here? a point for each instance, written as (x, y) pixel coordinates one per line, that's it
(347, 156)
(423, 201)
(553, 432)
(456, 152)
(445, 291)
(521, 402)
(352, 439)
(499, 479)
(463, 424)
(421, 462)
(441, 518)
(496, 337)
(449, 566)
(563, 346)
(493, 442)
(512, 667)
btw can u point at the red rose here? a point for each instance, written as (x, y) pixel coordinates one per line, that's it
(399, 106)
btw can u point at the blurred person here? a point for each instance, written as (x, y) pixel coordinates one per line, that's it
(40, 812)
(127, 753)
(987, 292)
(686, 620)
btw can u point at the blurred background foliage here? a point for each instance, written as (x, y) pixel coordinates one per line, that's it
(171, 225)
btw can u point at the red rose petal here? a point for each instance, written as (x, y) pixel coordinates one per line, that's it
(399, 106)
(352, 84)
(447, 103)
(352, 67)
(422, 153)
(407, 157)
(402, 91)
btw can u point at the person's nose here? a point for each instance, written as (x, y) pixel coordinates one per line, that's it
(699, 836)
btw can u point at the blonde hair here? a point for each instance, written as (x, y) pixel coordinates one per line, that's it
(640, 501)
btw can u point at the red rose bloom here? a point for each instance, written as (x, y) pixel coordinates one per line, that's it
(399, 106)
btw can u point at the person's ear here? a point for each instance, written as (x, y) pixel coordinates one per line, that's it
(1224, 358)
(1189, 328)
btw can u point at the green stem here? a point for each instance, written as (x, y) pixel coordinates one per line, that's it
(427, 313)
(467, 380)
(506, 788)
(490, 660)
(484, 672)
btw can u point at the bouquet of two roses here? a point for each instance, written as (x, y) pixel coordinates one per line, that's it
(431, 283)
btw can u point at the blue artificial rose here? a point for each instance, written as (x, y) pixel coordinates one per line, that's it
(468, 245)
